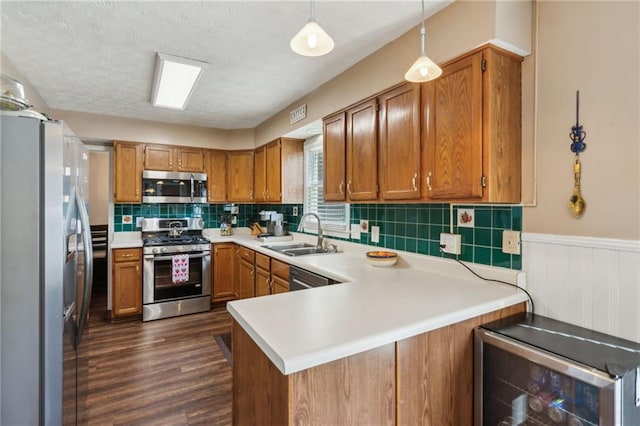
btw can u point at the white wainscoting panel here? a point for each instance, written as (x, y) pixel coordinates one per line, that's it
(590, 282)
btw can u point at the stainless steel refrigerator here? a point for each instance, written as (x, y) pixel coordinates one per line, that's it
(46, 270)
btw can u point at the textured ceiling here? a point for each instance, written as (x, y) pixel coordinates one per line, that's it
(99, 56)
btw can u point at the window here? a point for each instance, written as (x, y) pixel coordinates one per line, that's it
(334, 216)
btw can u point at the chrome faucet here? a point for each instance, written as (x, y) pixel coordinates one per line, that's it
(320, 236)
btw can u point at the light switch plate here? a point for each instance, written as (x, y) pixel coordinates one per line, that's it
(139, 222)
(355, 231)
(511, 242)
(375, 234)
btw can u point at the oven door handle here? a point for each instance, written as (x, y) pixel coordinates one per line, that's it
(191, 256)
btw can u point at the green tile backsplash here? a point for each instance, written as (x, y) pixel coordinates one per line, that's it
(414, 228)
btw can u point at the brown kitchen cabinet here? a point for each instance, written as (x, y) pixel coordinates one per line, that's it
(334, 145)
(362, 151)
(263, 275)
(216, 170)
(222, 288)
(472, 129)
(172, 158)
(272, 275)
(245, 281)
(279, 276)
(127, 172)
(240, 176)
(279, 172)
(399, 165)
(126, 293)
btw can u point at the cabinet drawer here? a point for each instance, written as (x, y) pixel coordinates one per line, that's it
(126, 255)
(262, 261)
(280, 269)
(246, 254)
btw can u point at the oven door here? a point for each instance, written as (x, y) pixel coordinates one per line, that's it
(158, 283)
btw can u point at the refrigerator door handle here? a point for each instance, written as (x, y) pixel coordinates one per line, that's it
(88, 269)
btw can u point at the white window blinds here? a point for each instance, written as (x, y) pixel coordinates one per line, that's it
(334, 216)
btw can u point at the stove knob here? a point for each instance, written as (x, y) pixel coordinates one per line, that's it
(155, 250)
(163, 249)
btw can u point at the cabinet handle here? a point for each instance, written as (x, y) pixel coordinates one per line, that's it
(429, 182)
(137, 268)
(127, 255)
(413, 182)
(137, 192)
(349, 186)
(251, 195)
(341, 187)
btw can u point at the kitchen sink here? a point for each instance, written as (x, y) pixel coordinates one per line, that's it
(297, 249)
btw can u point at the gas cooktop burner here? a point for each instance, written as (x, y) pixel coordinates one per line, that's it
(166, 240)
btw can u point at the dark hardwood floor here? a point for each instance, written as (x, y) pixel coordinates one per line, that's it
(165, 372)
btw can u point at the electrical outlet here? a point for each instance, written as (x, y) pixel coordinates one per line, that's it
(364, 226)
(511, 242)
(355, 231)
(139, 222)
(295, 211)
(234, 220)
(451, 243)
(375, 234)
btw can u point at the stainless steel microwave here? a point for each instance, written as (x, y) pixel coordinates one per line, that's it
(173, 187)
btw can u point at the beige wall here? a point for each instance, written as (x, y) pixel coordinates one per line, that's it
(99, 194)
(593, 47)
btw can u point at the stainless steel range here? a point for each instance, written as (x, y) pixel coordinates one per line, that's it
(177, 268)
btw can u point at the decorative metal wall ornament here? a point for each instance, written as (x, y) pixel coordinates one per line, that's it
(577, 135)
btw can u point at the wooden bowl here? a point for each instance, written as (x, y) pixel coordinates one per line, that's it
(382, 258)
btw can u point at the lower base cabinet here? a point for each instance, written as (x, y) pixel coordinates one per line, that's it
(426, 379)
(126, 294)
(223, 276)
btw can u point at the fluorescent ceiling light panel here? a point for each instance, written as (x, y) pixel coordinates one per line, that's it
(174, 80)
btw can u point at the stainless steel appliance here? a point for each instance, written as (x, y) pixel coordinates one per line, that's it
(165, 291)
(46, 272)
(301, 279)
(173, 187)
(533, 370)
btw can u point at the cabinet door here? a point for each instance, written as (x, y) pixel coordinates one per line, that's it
(127, 288)
(223, 271)
(260, 174)
(279, 285)
(240, 176)
(334, 140)
(400, 143)
(263, 282)
(127, 172)
(453, 113)
(190, 159)
(362, 151)
(158, 157)
(273, 172)
(247, 283)
(216, 176)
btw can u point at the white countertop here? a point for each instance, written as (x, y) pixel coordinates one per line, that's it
(372, 307)
(376, 306)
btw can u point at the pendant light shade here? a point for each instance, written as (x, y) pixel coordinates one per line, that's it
(312, 40)
(423, 69)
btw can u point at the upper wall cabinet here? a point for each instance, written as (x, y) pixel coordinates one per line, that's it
(334, 140)
(362, 151)
(399, 166)
(472, 129)
(279, 172)
(170, 158)
(127, 172)
(216, 169)
(240, 176)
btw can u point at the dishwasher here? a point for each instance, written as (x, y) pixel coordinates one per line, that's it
(301, 279)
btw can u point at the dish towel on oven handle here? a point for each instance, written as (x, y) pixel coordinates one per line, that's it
(180, 268)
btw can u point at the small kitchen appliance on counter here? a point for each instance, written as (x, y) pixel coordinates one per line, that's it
(277, 229)
(177, 268)
(530, 369)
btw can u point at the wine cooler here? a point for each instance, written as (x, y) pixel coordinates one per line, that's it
(533, 370)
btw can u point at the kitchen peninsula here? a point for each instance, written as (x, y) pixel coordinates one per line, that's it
(388, 346)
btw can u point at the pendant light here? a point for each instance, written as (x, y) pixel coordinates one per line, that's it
(312, 40)
(424, 69)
